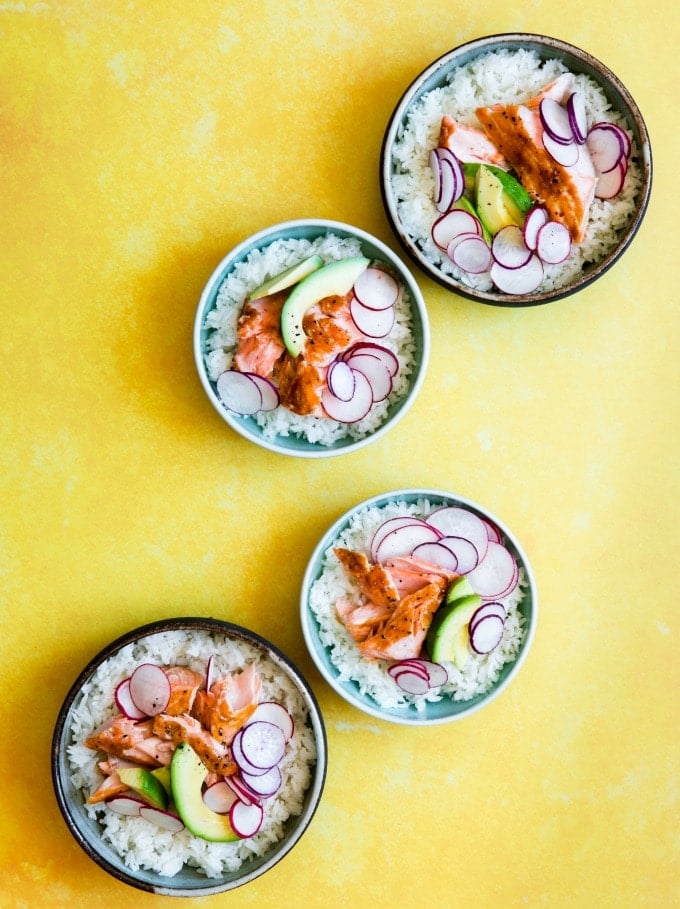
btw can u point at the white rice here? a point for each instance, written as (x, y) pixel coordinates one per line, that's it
(479, 673)
(141, 844)
(222, 340)
(501, 77)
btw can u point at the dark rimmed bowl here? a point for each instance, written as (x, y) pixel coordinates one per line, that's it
(188, 882)
(435, 76)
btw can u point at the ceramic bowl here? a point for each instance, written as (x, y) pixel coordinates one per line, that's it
(417, 241)
(87, 830)
(320, 627)
(295, 444)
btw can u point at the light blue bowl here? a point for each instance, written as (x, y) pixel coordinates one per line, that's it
(310, 229)
(445, 710)
(188, 882)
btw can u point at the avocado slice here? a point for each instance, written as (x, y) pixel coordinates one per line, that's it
(491, 200)
(458, 589)
(447, 637)
(187, 773)
(145, 784)
(335, 278)
(511, 185)
(465, 204)
(162, 774)
(286, 278)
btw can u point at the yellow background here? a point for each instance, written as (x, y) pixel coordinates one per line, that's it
(139, 142)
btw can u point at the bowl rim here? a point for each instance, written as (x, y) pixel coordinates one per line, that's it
(309, 622)
(260, 239)
(59, 770)
(397, 117)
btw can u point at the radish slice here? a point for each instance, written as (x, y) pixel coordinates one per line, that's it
(237, 391)
(448, 176)
(434, 672)
(553, 243)
(411, 664)
(268, 391)
(472, 254)
(340, 380)
(209, 673)
(465, 552)
(578, 118)
(374, 323)
(491, 607)
(606, 146)
(150, 689)
(262, 744)
(126, 805)
(511, 586)
(487, 634)
(125, 703)
(566, 155)
(438, 554)
(455, 222)
(354, 409)
(245, 819)
(411, 682)
(273, 712)
(375, 288)
(387, 527)
(555, 121)
(403, 540)
(494, 573)
(518, 281)
(243, 793)
(376, 372)
(377, 350)
(611, 183)
(219, 797)
(454, 521)
(166, 820)
(509, 247)
(266, 785)
(492, 532)
(534, 220)
(436, 167)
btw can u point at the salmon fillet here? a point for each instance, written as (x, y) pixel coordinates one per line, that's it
(124, 738)
(215, 755)
(403, 634)
(361, 621)
(229, 703)
(373, 581)
(259, 335)
(468, 143)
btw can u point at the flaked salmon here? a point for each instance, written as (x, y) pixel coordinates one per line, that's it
(409, 573)
(215, 754)
(124, 738)
(362, 620)
(403, 634)
(230, 702)
(184, 683)
(373, 581)
(259, 336)
(469, 143)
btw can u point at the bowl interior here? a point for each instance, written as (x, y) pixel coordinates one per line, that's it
(436, 75)
(309, 230)
(434, 713)
(188, 882)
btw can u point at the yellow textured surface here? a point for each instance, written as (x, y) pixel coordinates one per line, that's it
(138, 143)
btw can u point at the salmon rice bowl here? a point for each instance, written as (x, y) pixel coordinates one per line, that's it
(419, 601)
(169, 739)
(515, 175)
(310, 338)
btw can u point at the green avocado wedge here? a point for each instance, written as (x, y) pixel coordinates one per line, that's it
(145, 784)
(447, 637)
(287, 278)
(334, 279)
(187, 773)
(458, 589)
(511, 186)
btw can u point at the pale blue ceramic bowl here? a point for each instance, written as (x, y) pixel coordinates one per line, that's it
(310, 229)
(445, 710)
(188, 882)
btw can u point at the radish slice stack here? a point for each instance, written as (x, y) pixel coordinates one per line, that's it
(360, 377)
(418, 676)
(130, 806)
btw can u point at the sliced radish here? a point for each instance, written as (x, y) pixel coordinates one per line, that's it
(268, 391)
(412, 664)
(578, 117)
(262, 744)
(438, 554)
(387, 527)
(411, 682)
(491, 607)
(455, 222)
(246, 819)
(273, 712)
(434, 672)
(454, 521)
(266, 784)
(219, 797)
(165, 820)
(535, 219)
(464, 550)
(511, 586)
(375, 288)
(492, 532)
(209, 673)
(494, 573)
(509, 247)
(125, 703)
(127, 805)
(606, 145)
(354, 409)
(150, 689)
(237, 391)
(451, 179)
(611, 183)
(487, 634)
(374, 323)
(376, 372)
(403, 540)
(340, 380)
(243, 793)
(555, 121)
(565, 154)
(518, 281)
(472, 254)
(389, 358)
(553, 243)
(436, 168)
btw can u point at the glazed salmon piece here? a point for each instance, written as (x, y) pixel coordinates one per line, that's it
(566, 192)
(403, 634)
(259, 336)
(215, 755)
(300, 385)
(329, 328)
(468, 143)
(124, 738)
(373, 581)
(184, 683)
(409, 573)
(231, 700)
(559, 90)
(364, 620)
(110, 786)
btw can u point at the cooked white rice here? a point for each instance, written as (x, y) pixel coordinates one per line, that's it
(501, 77)
(222, 340)
(478, 675)
(141, 844)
